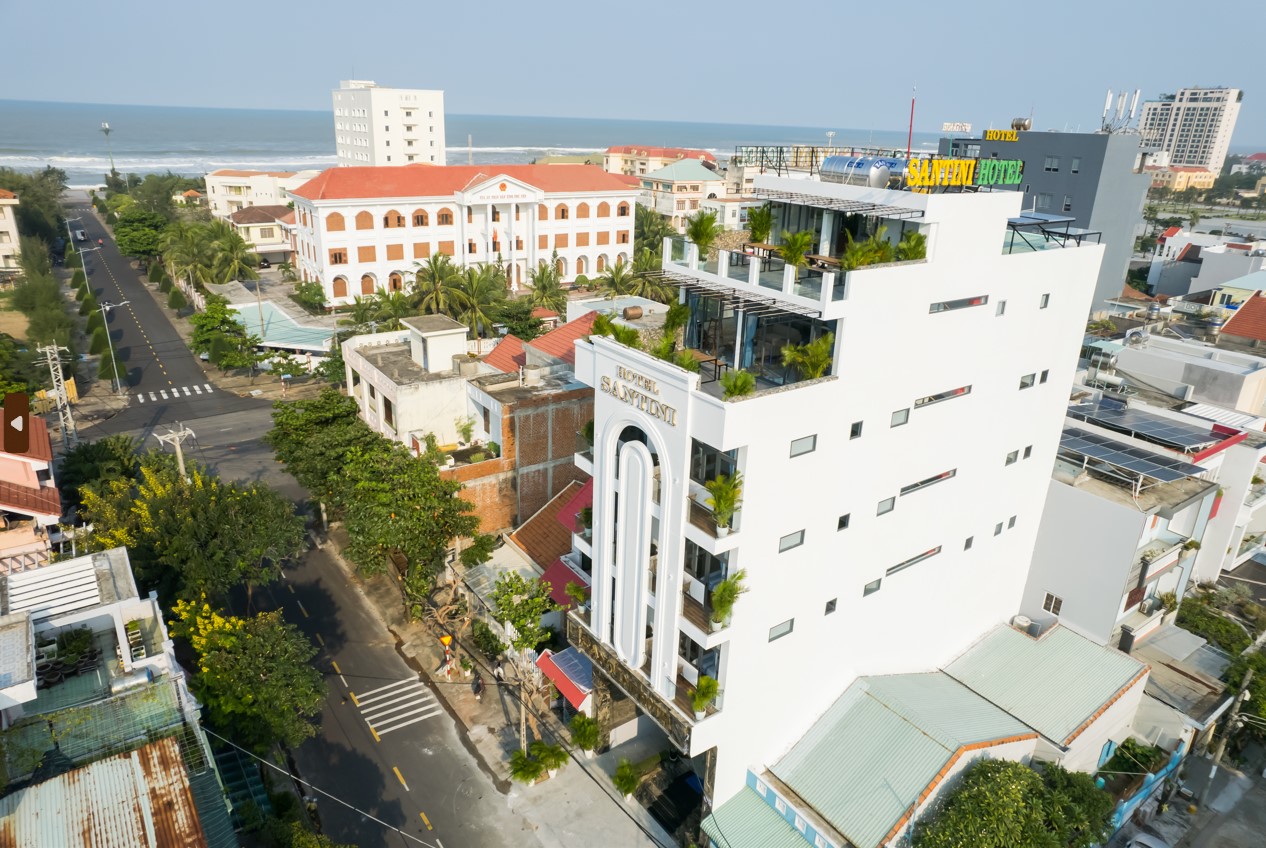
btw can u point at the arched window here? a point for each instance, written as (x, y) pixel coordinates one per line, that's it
(621, 259)
(340, 286)
(604, 210)
(367, 284)
(582, 211)
(542, 212)
(560, 212)
(419, 218)
(561, 267)
(395, 282)
(393, 220)
(622, 211)
(334, 223)
(581, 265)
(444, 217)
(364, 221)
(602, 263)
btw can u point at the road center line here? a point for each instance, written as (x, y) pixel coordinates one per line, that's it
(426, 821)
(400, 777)
(301, 609)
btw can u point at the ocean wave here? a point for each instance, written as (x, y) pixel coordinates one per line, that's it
(177, 162)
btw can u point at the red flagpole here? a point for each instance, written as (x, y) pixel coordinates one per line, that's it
(910, 136)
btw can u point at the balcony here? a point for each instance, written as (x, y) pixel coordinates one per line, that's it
(696, 613)
(701, 518)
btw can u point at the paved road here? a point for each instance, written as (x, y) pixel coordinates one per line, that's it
(165, 382)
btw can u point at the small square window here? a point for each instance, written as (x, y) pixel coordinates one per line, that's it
(967, 544)
(791, 540)
(855, 431)
(901, 416)
(1052, 604)
(1027, 381)
(777, 632)
(762, 789)
(1028, 451)
(1045, 374)
(1011, 522)
(820, 842)
(808, 444)
(997, 529)
(842, 524)
(1046, 301)
(800, 824)
(1012, 457)
(830, 606)
(1002, 308)
(781, 805)
(872, 587)
(886, 505)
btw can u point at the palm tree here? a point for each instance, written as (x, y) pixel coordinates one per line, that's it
(363, 311)
(604, 325)
(618, 280)
(287, 272)
(760, 223)
(482, 289)
(392, 306)
(189, 254)
(650, 228)
(702, 229)
(547, 289)
(795, 247)
(435, 281)
(810, 360)
(234, 259)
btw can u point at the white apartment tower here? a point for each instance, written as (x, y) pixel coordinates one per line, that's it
(1193, 126)
(376, 126)
(889, 508)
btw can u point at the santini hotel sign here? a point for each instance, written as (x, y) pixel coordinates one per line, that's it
(638, 391)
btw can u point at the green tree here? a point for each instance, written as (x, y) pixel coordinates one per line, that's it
(703, 230)
(97, 463)
(811, 360)
(112, 369)
(619, 280)
(482, 290)
(997, 804)
(392, 306)
(255, 674)
(100, 341)
(547, 289)
(38, 212)
(310, 295)
(176, 300)
(760, 223)
(315, 439)
(139, 233)
(518, 604)
(234, 259)
(215, 320)
(516, 316)
(331, 368)
(795, 247)
(650, 228)
(436, 283)
(1078, 811)
(288, 274)
(604, 325)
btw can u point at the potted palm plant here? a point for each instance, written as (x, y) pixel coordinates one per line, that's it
(551, 757)
(913, 245)
(584, 733)
(579, 594)
(795, 248)
(736, 384)
(726, 491)
(724, 596)
(702, 230)
(706, 691)
(760, 223)
(525, 769)
(626, 778)
(810, 360)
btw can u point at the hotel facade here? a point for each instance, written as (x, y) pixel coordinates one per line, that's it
(888, 509)
(361, 230)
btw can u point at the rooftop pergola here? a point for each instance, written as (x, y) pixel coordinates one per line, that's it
(838, 204)
(750, 302)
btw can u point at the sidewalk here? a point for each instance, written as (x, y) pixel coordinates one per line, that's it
(580, 805)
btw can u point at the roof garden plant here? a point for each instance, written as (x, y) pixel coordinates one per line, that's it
(810, 360)
(795, 247)
(626, 778)
(552, 757)
(913, 245)
(737, 384)
(584, 733)
(725, 595)
(726, 494)
(760, 223)
(706, 691)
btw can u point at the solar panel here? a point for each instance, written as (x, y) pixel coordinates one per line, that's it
(1148, 426)
(1162, 468)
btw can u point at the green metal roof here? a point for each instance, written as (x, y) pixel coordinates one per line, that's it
(1054, 683)
(871, 755)
(746, 821)
(686, 170)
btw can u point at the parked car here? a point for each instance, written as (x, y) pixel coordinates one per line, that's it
(264, 263)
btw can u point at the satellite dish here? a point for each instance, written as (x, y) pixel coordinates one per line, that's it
(1135, 338)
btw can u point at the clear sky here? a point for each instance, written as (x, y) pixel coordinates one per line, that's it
(782, 62)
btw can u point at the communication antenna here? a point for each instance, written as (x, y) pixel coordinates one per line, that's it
(65, 420)
(1107, 104)
(1135, 103)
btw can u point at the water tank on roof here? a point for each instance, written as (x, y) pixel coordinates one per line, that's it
(871, 171)
(1022, 124)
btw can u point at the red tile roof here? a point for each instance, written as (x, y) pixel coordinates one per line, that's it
(561, 342)
(567, 687)
(42, 501)
(508, 355)
(288, 218)
(558, 576)
(1249, 321)
(443, 181)
(231, 172)
(1255, 157)
(661, 152)
(5, 194)
(39, 447)
(193, 192)
(542, 312)
(543, 537)
(1170, 233)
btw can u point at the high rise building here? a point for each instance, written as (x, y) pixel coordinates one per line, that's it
(1193, 126)
(388, 126)
(884, 508)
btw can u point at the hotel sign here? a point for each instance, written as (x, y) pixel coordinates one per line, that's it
(639, 391)
(955, 127)
(1001, 135)
(929, 173)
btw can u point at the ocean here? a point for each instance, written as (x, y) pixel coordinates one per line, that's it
(192, 141)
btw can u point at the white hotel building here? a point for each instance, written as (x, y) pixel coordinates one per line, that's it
(359, 230)
(376, 126)
(883, 526)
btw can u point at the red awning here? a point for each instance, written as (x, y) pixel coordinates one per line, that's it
(570, 512)
(558, 576)
(566, 670)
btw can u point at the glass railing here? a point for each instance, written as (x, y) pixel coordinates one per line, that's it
(678, 250)
(809, 283)
(837, 292)
(771, 274)
(712, 264)
(584, 447)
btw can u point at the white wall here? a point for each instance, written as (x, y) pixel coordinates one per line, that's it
(1114, 723)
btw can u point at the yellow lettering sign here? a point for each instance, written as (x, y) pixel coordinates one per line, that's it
(1002, 135)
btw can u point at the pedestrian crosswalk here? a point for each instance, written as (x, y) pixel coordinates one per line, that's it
(396, 705)
(174, 393)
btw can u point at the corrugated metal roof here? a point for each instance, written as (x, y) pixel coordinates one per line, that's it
(684, 170)
(141, 798)
(878, 747)
(1054, 684)
(746, 821)
(1229, 417)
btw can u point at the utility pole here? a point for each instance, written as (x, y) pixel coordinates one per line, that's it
(105, 128)
(177, 438)
(106, 306)
(1230, 725)
(52, 355)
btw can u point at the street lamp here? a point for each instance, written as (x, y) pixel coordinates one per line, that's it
(69, 235)
(105, 128)
(105, 307)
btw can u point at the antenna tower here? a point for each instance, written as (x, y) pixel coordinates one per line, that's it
(65, 419)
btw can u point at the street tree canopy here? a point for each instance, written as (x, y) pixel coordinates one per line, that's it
(314, 438)
(137, 232)
(520, 603)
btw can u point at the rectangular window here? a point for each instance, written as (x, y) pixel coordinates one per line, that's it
(968, 543)
(1028, 451)
(923, 484)
(901, 416)
(1027, 381)
(762, 789)
(914, 560)
(800, 824)
(1002, 308)
(886, 505)
(1051, 166)
(266, 232)
(807, 444)
(1052, 604)
(338, 257)
(997, 529)
(1011, 522)
(855, 431)
(1075, 166)
(780, 803)
(1012, 457)
(842, 524)
(791, 540)
(777, 632)
(1046, 301)
(961, 303)
(1045, 374)
(1044, 200)
(871, 588)
(830, 606)
(700, 564)
(820, 842)
(1068, 203)
(940, 396)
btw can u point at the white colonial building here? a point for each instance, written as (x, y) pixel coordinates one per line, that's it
(883, 525)
(379, 126)
(359, 230)
(8, 231)
(230, 190)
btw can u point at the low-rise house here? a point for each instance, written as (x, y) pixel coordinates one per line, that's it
(1180, 178)
(190, 197)
(731, 212)
(30, 505)
(265, 230)
(8, 233)
(231, 189)
(675, 191)
(637, 161)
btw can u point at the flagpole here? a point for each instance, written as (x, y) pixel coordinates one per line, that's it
(910, 137)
